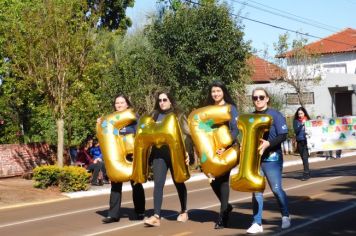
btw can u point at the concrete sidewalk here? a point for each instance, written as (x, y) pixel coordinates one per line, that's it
(289, 160)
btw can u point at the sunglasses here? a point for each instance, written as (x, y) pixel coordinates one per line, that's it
(261, 98)
(163, 100)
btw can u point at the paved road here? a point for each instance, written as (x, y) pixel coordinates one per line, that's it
(324, 205)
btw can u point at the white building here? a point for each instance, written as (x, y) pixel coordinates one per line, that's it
(331, 88)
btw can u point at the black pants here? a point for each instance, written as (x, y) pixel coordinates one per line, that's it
(95, 168)
(160, 169)
(138, 196)
(304, 154)
(221, 189)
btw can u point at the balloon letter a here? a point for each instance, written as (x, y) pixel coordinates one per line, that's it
(167, 132)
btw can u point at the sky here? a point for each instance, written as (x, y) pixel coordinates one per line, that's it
(319, 18)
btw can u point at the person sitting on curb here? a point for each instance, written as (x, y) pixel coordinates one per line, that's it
(95, 153)
(85, 160)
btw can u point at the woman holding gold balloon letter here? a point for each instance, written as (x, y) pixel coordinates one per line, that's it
(161, 161)
(122, 103)
(271, 161)
(219, 95)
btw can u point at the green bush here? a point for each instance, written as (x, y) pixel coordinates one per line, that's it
(73, 178)
(46, 176)
(68, 178)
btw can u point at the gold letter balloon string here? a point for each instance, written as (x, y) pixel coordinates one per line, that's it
(248, 178)
(150, 133)
(116, 147)
(208, 140)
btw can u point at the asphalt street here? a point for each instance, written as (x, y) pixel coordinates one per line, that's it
(323, 205)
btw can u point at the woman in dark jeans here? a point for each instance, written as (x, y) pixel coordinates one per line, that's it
(161, 161)
(300, 116)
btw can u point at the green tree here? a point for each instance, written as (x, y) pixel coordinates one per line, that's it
(138, 70)
(47, 44)
(112, 13)
(204, 43)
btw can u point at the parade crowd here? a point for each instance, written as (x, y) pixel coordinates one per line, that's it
(90, 157)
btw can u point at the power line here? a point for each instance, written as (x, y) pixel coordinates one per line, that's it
(278, 27)
(292, 16)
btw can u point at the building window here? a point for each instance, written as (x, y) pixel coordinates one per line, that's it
(292, 98)
(335, 68)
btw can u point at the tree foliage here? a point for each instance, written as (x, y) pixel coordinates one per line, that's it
(303, 69)
(60, 65)
(112, 13)
(204, 43)
(48, 45)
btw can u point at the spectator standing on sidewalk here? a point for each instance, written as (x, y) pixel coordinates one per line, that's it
(300, 116)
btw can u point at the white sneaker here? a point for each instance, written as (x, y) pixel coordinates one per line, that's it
(255, 229)
(286, 222)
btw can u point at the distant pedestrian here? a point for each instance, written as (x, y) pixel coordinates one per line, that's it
(300, 117)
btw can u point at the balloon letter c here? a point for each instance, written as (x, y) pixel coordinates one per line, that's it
(167, 132)
(248, 178)
(115, 147)
(208, 140)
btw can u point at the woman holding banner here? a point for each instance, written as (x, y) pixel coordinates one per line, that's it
(300, 116)
(122, 103)
(271, 161)
(161, 161)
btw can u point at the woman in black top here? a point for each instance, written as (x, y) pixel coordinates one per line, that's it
(161, 161)
(219, 95)
(121, 103)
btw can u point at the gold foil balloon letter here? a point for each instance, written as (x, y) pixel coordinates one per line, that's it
(208, 140)
(115, 147)
(248, 178)
(167, 132)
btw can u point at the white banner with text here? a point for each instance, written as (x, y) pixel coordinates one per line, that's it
(331, 134)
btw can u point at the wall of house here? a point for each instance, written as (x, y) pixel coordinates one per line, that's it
(344, 63)
(347, 59)
(323, 93)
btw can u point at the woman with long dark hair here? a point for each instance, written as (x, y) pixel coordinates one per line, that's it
(219, 95)
(161, 161)
(300, 116)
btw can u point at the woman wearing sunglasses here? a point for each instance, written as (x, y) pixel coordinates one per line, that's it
(271, 161)
(161, 161)
(219, 95)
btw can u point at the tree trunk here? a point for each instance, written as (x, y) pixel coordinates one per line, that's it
(60, 143)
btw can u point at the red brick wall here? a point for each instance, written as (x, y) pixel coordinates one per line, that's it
(18, 159)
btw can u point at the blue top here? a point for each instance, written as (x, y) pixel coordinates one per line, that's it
(95, 152)
(278, 127)
(233, 123)
(299, 130)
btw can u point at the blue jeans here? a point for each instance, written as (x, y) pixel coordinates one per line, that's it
(273, 172)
